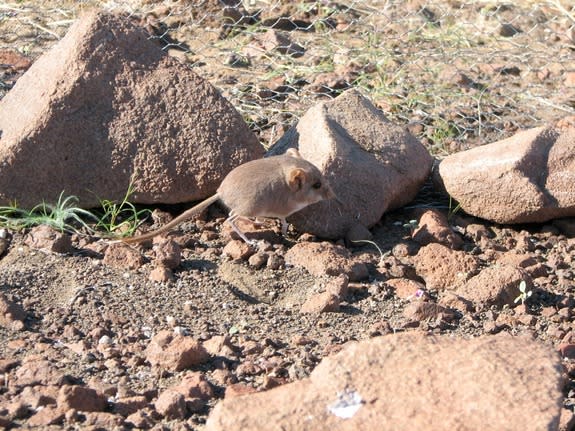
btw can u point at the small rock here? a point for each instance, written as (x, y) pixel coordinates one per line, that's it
(123, 256)
(423, 311)
(321, 303)
(102, 420)
(406, 289)
(452, 300)
(338, 286)
(238, 250)
(161, 274)
(195, 385)
(326, 259)
(433, 227)
(142, 419)
(443, 268)
(46, 238)
(275, 261)
(130, 405)
(12, 315)
(258, 260)
(171, 405)
(168, 253)
(38, 371)
(175, 352)
(49, 415)
(81, 398)
(495, 286)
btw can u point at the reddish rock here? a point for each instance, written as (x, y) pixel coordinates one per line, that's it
(239, 389)
(496, 285)
(326, 259)
(423, 311)
(434, 227)
(142, 419)
(102, 420)
(137, 94)
(258, 260)
(527, 178)
(12, 314)
(405, 288)
(321, 303)
(175, 352)
(194, 385)
(443, 268)
(450, 299)
(129, 405)
(12, 59)
(37, 371)
(168, 253)
(44, 237)
(81, 398)
(161, 274)
(220, 345)
(238, 250)
(406, 382)
(49, 415)
(39, 395)
(383, 168)
(123, 256)
(171, 405)
(338, 286)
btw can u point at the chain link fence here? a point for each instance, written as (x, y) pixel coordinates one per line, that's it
(457, 73)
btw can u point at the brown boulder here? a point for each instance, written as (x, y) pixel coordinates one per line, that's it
(410, 382)
(372, 164)
(106, 105)
(527, 178)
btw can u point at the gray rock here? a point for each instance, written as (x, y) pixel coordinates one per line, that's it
(527, 178)
(106, 105)
(372, 164)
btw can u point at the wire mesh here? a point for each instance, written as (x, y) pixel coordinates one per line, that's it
(457, 73)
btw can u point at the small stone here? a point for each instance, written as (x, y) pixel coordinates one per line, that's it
(81, 398)
(321, 303)
(168, 253)
(46, 238)
(123, 256)
(161, 274)
(275, 261)
(258, 260)
(49, 415)
(238, 250)
(434, 227)
(171, 405)
(175, 352)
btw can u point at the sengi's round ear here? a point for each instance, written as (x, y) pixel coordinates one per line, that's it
(296, 179)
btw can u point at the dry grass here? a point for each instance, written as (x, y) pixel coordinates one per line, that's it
(445, 68)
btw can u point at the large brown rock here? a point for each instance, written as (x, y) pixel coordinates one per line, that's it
(372, 164)
(411, 382)
(106, 105)
(529, 177)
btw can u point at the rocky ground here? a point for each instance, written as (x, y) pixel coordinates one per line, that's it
(112, 337)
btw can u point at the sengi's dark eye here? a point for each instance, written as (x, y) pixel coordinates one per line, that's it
(317, 185)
